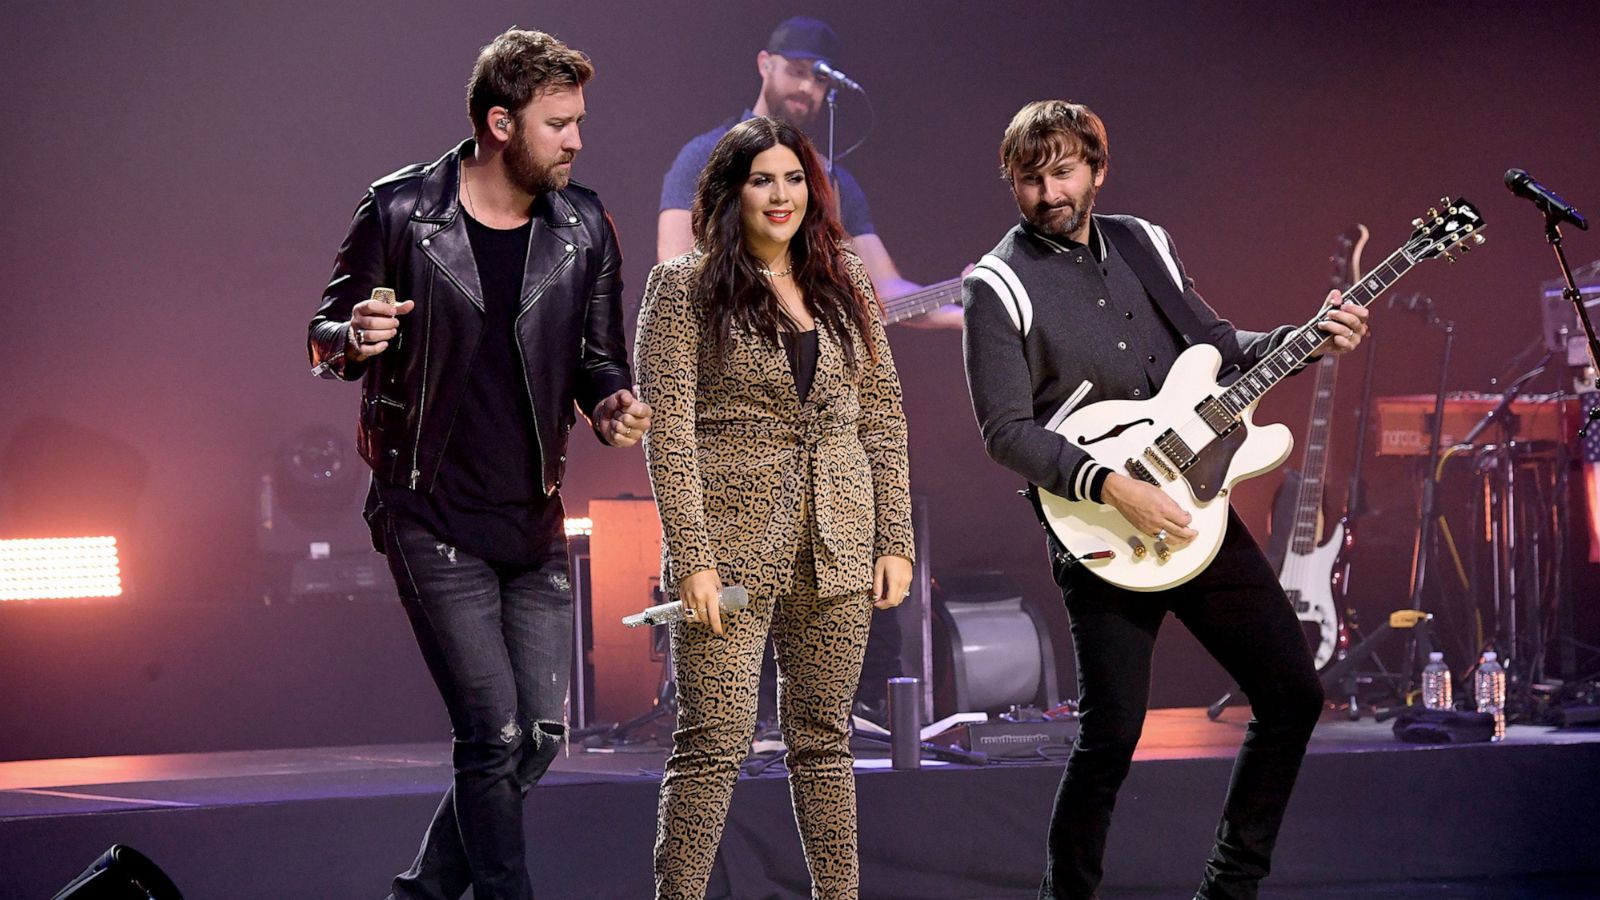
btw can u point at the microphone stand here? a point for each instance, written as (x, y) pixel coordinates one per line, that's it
(1430, 482)
(1552, 233)
(1507, 538)
(832, 98)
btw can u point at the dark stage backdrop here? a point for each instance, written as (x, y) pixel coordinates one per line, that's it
(181, 173)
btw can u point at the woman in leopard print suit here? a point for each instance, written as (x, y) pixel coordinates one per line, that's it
(778, 461)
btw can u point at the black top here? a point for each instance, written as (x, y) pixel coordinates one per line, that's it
(801, 348)
(487, 498)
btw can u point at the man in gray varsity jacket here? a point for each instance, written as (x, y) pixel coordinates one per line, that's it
(1072, 308)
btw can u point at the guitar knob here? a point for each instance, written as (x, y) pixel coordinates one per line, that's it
(1139, 550)
(1162, 551)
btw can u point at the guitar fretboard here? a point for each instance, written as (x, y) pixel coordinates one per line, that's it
(921, 301)
(1307, 338)
(1308, 503)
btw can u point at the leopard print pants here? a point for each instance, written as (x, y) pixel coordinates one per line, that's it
(820, 643)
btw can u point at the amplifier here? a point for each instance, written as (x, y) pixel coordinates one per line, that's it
(1405, 423)
(1017, 740)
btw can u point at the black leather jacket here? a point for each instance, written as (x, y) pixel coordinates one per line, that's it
(409, 234)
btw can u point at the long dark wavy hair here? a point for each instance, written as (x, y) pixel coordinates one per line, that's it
(728, 276)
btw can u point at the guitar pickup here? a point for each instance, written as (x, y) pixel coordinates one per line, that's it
(1175, 449)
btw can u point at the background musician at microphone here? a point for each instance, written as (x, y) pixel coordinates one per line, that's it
(793, 91)
(778, 461)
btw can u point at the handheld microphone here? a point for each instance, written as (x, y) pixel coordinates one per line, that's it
(1522, 184)
(733, 597)
(823, 70)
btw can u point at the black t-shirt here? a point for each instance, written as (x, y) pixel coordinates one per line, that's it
(801, 347)
(488, 498)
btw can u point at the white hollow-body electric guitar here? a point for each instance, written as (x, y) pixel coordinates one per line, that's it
(1196, 439)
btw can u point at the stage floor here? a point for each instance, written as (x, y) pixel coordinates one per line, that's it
(1372, 817)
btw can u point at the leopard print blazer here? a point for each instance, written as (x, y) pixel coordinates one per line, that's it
(736, 459)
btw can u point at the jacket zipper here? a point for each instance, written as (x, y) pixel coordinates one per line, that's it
(527, 385)
(422, 399)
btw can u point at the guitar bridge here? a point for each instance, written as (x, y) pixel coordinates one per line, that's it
(1160, 464)
(1137, 470)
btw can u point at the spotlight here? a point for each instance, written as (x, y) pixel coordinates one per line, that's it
(309, 533)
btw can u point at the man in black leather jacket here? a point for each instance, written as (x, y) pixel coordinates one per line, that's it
(507, 279)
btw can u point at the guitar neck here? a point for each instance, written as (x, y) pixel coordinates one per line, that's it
(921, 301)
(1307, 339)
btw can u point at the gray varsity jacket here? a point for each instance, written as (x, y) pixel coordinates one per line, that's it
(1037, 344)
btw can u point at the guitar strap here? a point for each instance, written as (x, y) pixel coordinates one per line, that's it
(1157, 281)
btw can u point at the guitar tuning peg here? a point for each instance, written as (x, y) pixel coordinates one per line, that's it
(1466, 248)
(1445, 201)
(1433, 213)
(1478, 239)
(1416, 223)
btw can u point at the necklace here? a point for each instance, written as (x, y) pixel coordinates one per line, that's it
(771, 274)
(467, 190)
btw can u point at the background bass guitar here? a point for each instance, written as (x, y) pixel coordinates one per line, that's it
(1304, 561)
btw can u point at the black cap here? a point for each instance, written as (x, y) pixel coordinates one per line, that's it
(803, 37)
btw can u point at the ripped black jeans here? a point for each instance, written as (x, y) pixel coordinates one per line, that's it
(498, 642)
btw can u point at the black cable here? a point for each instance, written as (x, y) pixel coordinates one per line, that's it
(872, 122)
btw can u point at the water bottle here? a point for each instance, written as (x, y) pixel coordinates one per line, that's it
(1489, 686)
(1436, 683)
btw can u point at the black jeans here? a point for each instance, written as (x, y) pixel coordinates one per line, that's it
(498, 642)
(1240, 615)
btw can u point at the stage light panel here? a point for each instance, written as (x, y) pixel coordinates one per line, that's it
(59, 568)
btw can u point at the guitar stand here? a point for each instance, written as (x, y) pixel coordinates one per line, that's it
(1343, 679)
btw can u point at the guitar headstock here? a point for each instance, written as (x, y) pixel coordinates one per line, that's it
(1450, 225)
(1346, 257)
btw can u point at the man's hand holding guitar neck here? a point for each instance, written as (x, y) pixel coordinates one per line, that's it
(1345, 326)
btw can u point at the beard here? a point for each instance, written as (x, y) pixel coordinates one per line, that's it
(778, 105)
(1063, 220)
(528, 174)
